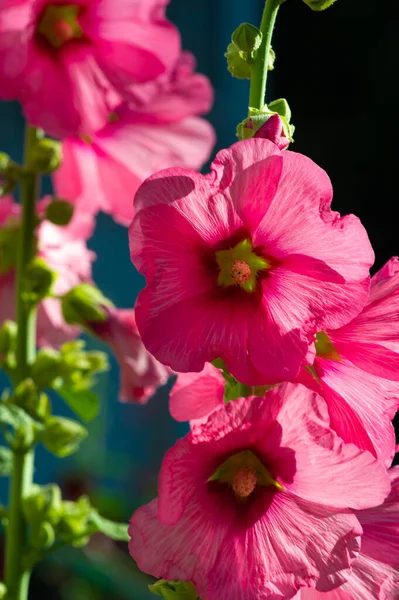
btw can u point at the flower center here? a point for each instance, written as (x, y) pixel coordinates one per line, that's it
(244, 482)
(59, 24)
(240, 265)
(240, 272)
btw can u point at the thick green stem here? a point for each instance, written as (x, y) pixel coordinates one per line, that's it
(257, 89)
(16, 575)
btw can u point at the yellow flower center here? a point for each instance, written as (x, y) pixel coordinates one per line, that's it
(240, 265)
(59, 24)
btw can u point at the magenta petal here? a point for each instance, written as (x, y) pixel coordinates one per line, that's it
(195, 395)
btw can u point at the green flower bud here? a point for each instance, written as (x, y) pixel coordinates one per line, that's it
(46, 368)
(10, 174)
(319, 4)
(63, 436)
(236, 64)
(84, 303)
(42, 535)
(8, 338)
(44, 503)
(3, 591)
(38, 281)
(247, 38)
(174, 590)
(46, 156)
(59, 212)
(75, 520)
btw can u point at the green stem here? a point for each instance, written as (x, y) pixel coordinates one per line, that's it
(257, 90)
(16, 575)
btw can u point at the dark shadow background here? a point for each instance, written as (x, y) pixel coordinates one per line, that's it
(338, 69)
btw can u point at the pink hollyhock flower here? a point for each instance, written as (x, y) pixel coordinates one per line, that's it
(65, 251)
(250, 264)
(65, 62)
(141, 373)
(273, 130)
(253, 504)
(196, 395)
(376, 570)
(356, 369)
(159, 130)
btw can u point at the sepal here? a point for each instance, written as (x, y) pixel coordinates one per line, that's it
(174, 590)
(319, 4)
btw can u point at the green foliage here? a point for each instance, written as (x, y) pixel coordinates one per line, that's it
(115, 531)
(84, 403)
(174, 590)
(233, 389)
(10, 174)
(59, 212)
(8, 244)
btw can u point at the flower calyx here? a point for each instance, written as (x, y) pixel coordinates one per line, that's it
(174, 590)
(271, 122)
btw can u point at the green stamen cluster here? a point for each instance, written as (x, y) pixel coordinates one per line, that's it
(240, 265)
(59, 24)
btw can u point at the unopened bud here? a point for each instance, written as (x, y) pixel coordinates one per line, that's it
(8, 337)
(46, 368)
(46, 156)
(84, 304)
(174, 590)
(59, 212)
(248, 39)
(319, 4)
(236, 64)
(62, 436)
(38, 281)
(9, 174)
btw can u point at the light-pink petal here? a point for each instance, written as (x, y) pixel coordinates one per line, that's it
(195, 395)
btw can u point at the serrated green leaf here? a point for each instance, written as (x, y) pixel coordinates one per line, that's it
(84, 403)
(5, 462)
(115, 531)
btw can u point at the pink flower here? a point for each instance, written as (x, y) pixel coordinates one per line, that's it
(254, 503)
(273, 130)
(245, 263)
(158, 130)
(65, 251)
(141, 373)
(196, 395)
(376, 570)
(67, 62)
(356, 369)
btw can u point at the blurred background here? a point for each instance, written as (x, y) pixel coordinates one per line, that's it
(338, 70)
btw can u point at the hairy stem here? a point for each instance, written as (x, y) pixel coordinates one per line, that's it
(16, 576)
(257, 88)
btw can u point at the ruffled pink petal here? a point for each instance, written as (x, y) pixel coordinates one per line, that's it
(327, 470)
(361, 406)
(312, 594)
(196, 395)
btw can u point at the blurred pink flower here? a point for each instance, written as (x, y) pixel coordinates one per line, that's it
(245, 263)
(158, 129)
(65, 251)
(67, 62)
(196, 395)
(253, 504)
(356, 369)
(376, 570)
(141, 373)
(273, 130)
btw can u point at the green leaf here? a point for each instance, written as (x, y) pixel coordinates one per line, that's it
(5, 462)
(84, 403)
(115, 531)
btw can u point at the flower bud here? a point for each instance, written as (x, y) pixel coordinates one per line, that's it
(42, 535)
(59, 212)
(83, 304)
(236, 65)
(319, 4)
(46, 157)
(8, 338)
(9, 174)
(62, 436)
(174, 590)
(247, 38)
(44, 503)
(38, 281)
(46, 368)
(272, 122)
